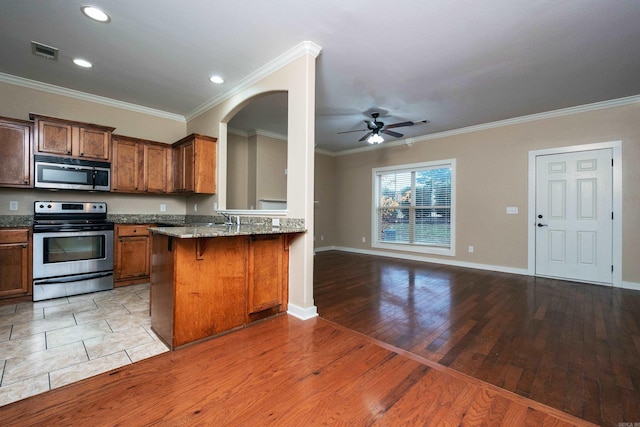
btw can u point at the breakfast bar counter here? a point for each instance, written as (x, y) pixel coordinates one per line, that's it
(210, 279)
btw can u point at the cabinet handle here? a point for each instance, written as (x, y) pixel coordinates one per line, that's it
(81, 154)
(24, 246)
(68, 152)
(26, 182)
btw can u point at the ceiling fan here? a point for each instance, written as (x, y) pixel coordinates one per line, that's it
(375, 128)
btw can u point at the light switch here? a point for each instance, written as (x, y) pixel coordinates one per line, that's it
(13, 205)
(512, 210)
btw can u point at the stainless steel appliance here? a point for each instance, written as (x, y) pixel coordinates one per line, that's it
(71, 174)
(72, 249)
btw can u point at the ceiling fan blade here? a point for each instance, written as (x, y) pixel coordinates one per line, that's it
(392, 133)
(349, 131)
(365, 137)
(397, 125)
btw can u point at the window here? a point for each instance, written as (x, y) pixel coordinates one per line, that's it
(414, 207)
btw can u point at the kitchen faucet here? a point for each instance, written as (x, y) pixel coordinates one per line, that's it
(230, 220)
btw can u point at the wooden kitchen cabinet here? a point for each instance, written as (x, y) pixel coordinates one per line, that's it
(156, 171)
(202, 287)
(16, 169)
(66, 138)
(267, 272)
(194, 164)
(131, 254)
(140, 166)
(15, 262)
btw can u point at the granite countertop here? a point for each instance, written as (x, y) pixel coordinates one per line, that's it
(16, 221)
(221, 230)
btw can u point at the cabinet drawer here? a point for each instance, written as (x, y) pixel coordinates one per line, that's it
(14, 236)
(133, 230)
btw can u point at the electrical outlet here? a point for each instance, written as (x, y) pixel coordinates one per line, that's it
(13, 205)
(215, 206)
(470, 249)
(275, 222)
(195, 207)
(163, 207)
(322, 237)
(364, 239)
(512, 210)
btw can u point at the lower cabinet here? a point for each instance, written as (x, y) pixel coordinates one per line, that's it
(131, 254)
(202, 287)
(15, 262)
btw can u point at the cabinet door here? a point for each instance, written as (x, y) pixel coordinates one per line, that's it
(155, 168)
(54, 138)
(178, 169)
(14, 269)
(132, 258)
(15, 140)
(188, 166)
(124, 170)
(265, 273)
(205, 167)
(94, 144)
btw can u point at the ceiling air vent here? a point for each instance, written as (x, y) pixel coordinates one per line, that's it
(43, 50)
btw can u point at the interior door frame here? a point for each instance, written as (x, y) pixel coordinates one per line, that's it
(616, 147)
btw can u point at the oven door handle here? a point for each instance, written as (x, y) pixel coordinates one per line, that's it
(51, 281)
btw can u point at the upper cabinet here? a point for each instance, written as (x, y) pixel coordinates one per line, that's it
(140, 166)
(61, 137)
(15, 139)
(194, 164)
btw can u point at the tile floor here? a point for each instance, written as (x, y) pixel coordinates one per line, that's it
(47, 344)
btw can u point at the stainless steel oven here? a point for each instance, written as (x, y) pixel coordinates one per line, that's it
(72, 249)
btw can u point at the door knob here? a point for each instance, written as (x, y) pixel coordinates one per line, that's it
(542, 225)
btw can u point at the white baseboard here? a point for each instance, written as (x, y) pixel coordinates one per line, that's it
(631, 285)
(498, 268)
(302, 313)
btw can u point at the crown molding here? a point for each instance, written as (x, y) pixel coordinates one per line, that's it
(238, 132)
(299, 50)
(269, 134)
(619, 102)
(58, 90)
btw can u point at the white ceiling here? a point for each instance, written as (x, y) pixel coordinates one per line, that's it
(457, 63)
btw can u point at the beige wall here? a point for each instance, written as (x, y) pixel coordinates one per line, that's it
(270, 165)
(324, 201)
(237, 171)
(255, 170)
(131, 123)
(492, 173)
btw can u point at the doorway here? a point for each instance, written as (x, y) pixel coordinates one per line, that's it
(574, 213)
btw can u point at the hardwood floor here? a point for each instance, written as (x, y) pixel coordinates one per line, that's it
(574, 347)
(282, 371)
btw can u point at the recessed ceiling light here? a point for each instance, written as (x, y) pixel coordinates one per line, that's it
(82, 63)
(216, 79)
(95, 14)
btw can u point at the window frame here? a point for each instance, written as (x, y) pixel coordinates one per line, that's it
(413, 247)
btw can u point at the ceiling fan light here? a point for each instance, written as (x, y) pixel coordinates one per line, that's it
(375, 139)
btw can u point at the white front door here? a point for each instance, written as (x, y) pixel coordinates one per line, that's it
(574, 208)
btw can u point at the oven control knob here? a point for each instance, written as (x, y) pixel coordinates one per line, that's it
(41, 206)
(49, 206)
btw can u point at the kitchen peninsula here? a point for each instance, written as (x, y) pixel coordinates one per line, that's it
(209, 279)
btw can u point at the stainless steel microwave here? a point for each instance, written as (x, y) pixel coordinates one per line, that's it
(63, 173)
